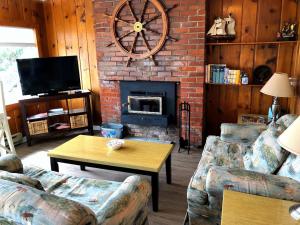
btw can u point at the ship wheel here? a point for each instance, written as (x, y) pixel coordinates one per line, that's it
(136, 26)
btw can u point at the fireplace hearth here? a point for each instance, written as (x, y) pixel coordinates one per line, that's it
(148, 103)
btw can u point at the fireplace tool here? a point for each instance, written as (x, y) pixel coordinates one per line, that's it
(184, 127)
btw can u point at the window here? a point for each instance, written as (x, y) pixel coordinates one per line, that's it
(15, 43)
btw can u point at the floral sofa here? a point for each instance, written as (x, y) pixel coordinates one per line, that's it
(38, 197)
(245, 158)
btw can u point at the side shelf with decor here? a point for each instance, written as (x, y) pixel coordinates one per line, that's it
(57, 114)
(256, 46)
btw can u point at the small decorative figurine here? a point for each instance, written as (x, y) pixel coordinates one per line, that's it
(288, 32)
(218, 28)
(230, 25)
(222, 29)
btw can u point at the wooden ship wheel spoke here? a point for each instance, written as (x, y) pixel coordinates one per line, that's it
(131, 10)
(158, 16)
(140, 27)
(143, 11)
(121, 37)
(123, 21)
(132, 47)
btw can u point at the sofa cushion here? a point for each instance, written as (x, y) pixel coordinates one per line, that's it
(90, 192)
(112, 202)
(21, 179)
(49, 180)
(291, 168)
(11, 163)
(267, 155)
(285, 121)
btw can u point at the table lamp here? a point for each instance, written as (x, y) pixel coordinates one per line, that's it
(290, 141)
(278, 86)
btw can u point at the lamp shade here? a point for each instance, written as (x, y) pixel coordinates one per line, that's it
(278, 86)
(290, 139)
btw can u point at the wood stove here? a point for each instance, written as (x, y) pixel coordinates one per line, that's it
(148, 103)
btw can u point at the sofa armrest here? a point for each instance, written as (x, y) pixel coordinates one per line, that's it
(240, 133)
(250, 182)
(128, 204)
(11, 163)
(27, 205)
(217, 153)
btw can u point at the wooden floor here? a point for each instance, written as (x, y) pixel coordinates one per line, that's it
(172, 202)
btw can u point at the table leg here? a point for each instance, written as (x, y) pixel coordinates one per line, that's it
(155, 191)
(28, 141)
(54, 164)
(168, 170)
(82, 167)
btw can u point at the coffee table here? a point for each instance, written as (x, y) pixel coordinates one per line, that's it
(245, 209)
(139, 157)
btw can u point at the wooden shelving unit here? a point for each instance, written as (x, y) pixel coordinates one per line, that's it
(252, 43)
(257, 24)
(235, 85)
(47, 122)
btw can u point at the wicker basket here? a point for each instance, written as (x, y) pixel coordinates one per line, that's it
(38, 127)
(78, 121)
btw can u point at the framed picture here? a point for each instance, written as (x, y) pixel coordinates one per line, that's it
(252, 119)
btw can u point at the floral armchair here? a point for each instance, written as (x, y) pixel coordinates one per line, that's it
(245, 158)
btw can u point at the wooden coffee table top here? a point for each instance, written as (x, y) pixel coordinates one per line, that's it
(147, 156)
(244, 209)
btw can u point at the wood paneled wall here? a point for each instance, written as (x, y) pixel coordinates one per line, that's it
(70, 31)
(257, 23)
(63, 27)
(295, 102)
(29, 14)
(25, 13)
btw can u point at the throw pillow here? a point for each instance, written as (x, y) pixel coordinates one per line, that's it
(21, 179)
(290, 168)
(11, 163)
(266, 155)
(285, 121)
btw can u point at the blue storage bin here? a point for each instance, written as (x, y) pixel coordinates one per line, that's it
(112, 130)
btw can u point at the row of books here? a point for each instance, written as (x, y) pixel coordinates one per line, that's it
(220, 74)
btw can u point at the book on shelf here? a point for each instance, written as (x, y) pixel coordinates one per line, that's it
(215, 73)
(220, 74)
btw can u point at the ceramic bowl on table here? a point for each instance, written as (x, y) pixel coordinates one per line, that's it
(115, 144)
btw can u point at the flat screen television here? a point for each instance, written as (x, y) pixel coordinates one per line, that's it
(48, 75)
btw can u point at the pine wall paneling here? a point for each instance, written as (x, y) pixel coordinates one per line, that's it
(70, 31)
(28, 14)
(63, 27)
(256, 21)
(295, 102)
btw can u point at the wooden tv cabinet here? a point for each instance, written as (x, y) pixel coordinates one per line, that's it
(47, 123)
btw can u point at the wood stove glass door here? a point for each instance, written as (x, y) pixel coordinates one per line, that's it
(145, 105)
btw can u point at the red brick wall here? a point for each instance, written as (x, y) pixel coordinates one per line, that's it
(181, 61)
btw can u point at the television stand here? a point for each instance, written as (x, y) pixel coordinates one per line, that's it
(51, 94)
(47, 122)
